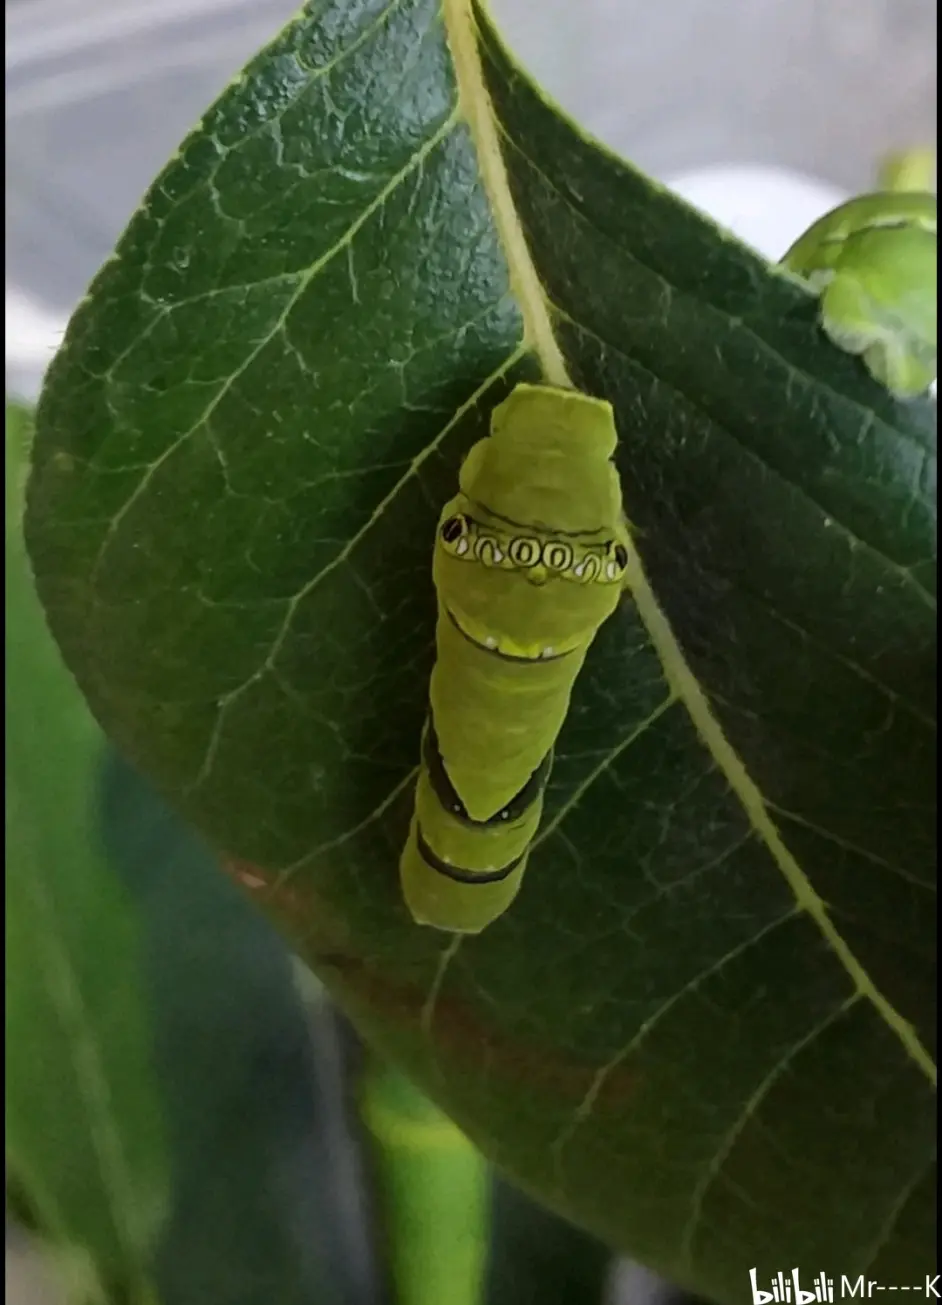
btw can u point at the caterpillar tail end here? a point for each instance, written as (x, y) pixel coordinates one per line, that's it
(442, 903)
(906, 170)
(857, 323)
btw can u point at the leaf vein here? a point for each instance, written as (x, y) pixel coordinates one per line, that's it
(688, 688)
(855, 541)
(608, 760)
(584, 1110)
(714, 1169)
(292, 606)
(535, 307)
(897, 699)
(416, 161)
(845, 843)
(289, 871)
(896, 1212)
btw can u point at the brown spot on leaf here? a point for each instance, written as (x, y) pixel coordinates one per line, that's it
(460, 1040)
(463, 1041)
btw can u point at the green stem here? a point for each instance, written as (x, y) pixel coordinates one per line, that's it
(908, 170)
(433, 1194)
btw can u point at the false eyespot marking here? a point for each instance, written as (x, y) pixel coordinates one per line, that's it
(524, 551)
(618, 563)
(453, 529)
(464, 537)
(455, 532)
(557, 555)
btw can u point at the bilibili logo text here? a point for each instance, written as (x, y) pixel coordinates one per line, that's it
(790, 1289)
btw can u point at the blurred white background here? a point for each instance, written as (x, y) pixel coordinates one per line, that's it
(99, 93)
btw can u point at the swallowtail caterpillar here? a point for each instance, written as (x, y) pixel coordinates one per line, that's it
(874, 262)
(529, 562)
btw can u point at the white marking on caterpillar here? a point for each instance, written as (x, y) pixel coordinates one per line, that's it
(490, 642)
(611, 570)
(461, 546)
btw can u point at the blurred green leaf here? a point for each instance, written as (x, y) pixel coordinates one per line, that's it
(259, 1213)
(706, 1029)
(85, 1142)
(160, 1004)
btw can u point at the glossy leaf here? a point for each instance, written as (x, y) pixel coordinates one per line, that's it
(705, 1029)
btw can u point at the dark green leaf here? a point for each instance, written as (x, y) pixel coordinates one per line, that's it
(704, 1029)
(85, 1144)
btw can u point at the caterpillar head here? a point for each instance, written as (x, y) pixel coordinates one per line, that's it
(531, 554)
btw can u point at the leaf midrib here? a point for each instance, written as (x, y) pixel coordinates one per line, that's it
(905, 573)
(475, 102)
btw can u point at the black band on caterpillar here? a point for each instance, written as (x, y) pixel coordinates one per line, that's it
(447, 795)
(463, 876)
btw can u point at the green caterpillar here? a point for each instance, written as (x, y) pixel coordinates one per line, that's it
(529, 561)
(874, 261)
(910, 169)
